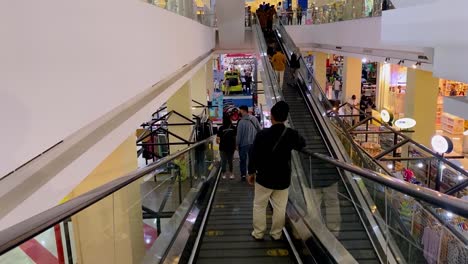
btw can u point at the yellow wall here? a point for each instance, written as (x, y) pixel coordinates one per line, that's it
(111, 231)
(320, 68)
(198, 89)
(181, 102)
(352, 73)
(421, 103)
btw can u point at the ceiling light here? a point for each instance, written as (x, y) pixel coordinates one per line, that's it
(387, 60)
(420, 165)
(364, 60)
(414, 66)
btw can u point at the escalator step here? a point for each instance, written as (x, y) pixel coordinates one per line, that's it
(243, 260)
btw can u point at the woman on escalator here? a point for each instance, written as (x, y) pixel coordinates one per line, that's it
(226, 138)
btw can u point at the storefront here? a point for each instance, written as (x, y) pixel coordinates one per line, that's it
(392, 89)
(235, 83)
(369, 80)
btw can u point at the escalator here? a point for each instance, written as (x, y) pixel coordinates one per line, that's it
(226, 236)
(350, 232)
(211, 222)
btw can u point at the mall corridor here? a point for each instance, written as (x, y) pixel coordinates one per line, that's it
(113, 114)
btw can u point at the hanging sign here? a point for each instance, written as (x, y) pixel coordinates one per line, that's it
(386, 116)
(405, 123)
(442, 144)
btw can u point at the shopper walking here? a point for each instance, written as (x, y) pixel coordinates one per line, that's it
(295, 65)
(279, 12)
(289, 15)
(226, 138)
(353, 110)
(271, 13)
(247, 128)
(299, 15)
(337, 88)
(279, 65)
(270, 170)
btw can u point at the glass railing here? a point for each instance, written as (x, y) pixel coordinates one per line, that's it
(336, 11)
(360, 158)
(404, 218)
(397, 152)
(189, 9)
(130, 220)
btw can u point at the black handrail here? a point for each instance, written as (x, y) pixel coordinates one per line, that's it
(21, 232)
(447, 202)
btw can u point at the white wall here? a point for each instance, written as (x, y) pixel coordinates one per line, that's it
(230, 16)
(65, 63)
(360, 33)
(42, 191)
(438, 25)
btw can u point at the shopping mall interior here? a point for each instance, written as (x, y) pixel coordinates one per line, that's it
(113, 113)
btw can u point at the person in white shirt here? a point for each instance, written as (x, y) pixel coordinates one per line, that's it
(337, 88)
(353, 104)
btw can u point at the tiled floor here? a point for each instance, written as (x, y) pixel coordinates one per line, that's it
(40, 250)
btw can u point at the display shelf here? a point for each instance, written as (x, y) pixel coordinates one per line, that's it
(439, 111)
(446, 87)
(452, 124)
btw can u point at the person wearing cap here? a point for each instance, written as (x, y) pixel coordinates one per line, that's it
(270, 171)
(247, 128)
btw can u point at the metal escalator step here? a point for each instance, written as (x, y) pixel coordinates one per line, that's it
(234, 221)
(247, 252)
(216, 226)
(244, 260)
(357, 244)
(350, 235)
(242, 245)
(363, 254)
(353, 226)
(369, 261)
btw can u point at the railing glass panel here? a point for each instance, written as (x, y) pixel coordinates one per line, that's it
(134, 224)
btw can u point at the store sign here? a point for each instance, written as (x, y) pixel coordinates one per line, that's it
(386, 116)
(405, 123)
(442, 144)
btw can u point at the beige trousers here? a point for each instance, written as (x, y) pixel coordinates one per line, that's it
(329, 197)
(279, 200)
(280, 76)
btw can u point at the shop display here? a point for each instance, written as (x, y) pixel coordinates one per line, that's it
(439, 111)
(369, 80)
(452, 88)
(452, 124)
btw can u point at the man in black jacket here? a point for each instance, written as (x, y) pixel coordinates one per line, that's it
(270, 169)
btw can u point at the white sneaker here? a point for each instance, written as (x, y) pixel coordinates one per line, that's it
(232, 176)
(223, 176)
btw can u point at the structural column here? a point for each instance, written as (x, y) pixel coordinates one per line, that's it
(352, 75)
(199, 90)
(111, 231)
(320, 68)
(180, 102)
(421, 103)
(209, 78)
